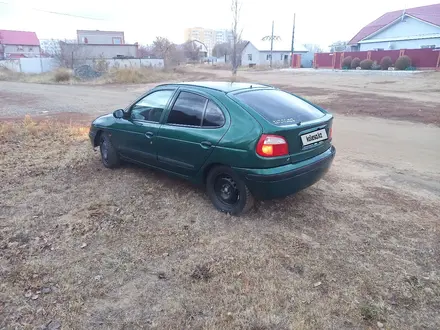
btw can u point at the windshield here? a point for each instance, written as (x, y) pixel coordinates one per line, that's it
(278, 107)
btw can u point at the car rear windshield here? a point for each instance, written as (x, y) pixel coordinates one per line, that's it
(278, 107)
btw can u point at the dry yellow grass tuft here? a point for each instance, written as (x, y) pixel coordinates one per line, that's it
(8, 75)
(137, 75)
(60, 75)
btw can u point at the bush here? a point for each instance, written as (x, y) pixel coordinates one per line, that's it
(62, 75)
(346, 62)
(355, 63)
(6, 74)
(386, 62)
(366, 64)
(403, 62)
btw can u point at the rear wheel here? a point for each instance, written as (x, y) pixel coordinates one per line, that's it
(109, 155)
(227, 191)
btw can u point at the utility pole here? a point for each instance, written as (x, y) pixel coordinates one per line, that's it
(271, 38)
(271, 45)
(293, 40)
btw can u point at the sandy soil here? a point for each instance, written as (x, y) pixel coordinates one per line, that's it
(86, 247)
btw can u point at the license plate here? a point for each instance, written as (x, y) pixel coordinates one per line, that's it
(314, 137)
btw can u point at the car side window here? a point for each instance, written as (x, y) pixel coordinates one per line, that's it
(188, 110)
(213, 116)
(150, 108)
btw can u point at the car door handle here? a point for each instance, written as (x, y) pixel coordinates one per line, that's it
(149, 135)
(206, 144)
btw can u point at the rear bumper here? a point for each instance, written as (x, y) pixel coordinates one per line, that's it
(288, 179)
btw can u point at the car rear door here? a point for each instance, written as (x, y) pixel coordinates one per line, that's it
(136, 134)
(194, 126)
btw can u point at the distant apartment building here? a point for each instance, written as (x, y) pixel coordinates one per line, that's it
(223, 36)
(209, 37)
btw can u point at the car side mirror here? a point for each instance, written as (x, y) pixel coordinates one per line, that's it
(119, 113)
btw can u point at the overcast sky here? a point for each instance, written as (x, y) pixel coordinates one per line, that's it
(320, 22)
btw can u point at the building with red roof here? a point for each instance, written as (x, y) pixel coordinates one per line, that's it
(18, 44)
(411, 28)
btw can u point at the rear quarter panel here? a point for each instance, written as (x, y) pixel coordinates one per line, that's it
(237, 147)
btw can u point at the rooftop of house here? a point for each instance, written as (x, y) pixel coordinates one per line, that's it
(22, 38)
(429, 14)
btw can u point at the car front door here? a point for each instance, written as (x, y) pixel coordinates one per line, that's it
(137, 133)
(195, 125)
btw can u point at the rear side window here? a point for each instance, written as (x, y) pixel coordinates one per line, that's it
(187, 110)
(278, 107)
(213, 116)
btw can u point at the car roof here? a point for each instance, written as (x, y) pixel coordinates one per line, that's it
(223, 86)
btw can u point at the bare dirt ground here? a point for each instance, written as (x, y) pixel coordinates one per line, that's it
(84, 247)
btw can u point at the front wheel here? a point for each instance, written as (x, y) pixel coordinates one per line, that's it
(109, 155)
(228, 192)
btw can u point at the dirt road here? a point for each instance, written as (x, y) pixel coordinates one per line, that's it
(86, 247)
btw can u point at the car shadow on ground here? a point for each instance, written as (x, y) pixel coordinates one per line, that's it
(300, 203)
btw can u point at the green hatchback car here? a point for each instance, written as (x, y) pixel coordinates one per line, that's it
(241, 140)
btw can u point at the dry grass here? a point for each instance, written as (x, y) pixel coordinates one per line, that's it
(137, 76)
(60, 75)
(149, 75)
(8, 75)
(131, 75)
(93, 248)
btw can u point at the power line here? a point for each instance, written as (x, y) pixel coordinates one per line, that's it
(59, 13)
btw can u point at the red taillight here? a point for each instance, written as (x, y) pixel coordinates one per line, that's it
(272, 146)
(330, 133)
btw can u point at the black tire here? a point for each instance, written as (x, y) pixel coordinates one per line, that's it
(227, 191)
(109, 155)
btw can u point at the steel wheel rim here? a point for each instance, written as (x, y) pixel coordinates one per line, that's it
(104, 150)
(226, 190)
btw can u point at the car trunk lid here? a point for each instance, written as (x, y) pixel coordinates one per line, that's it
(304, 126)
(305, 140)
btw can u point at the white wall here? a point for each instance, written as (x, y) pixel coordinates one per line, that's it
(129, 63)
(250, 50)
(86, 51)
(39, 65)
(278, 58)
(100, 37)
(48, 64)
(406, 28)
(307, 59)
(13, 65)
(404, 44)
(30, 65)
(409, 27)
(28, 51)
